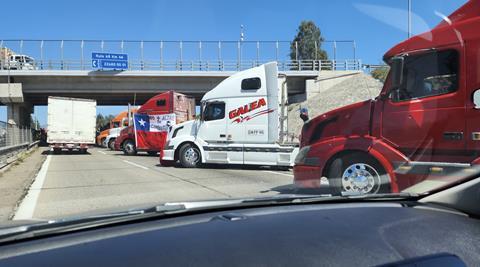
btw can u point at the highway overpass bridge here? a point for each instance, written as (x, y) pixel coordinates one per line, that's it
(120, 88)
(64, 68)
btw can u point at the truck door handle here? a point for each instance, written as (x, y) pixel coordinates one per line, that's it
(222, 135)
(453, 136)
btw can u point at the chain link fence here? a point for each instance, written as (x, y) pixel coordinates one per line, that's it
(13, 140)
(12, 135)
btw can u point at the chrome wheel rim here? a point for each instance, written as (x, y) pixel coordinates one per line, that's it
(360, 178)
(191, 155)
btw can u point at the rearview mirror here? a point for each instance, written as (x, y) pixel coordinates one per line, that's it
(476, 99)
(397, 71)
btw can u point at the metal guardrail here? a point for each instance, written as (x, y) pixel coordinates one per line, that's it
(181, 55)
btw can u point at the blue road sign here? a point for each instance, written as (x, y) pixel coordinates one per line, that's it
(109, 61)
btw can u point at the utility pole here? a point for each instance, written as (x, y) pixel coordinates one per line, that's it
(409, 18)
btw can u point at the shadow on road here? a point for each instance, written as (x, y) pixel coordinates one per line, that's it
(49, 152)
(292, 189)
(231, 167)
(120, 153)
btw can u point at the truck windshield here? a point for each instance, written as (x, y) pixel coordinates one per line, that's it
(214, 111)
(429, 74)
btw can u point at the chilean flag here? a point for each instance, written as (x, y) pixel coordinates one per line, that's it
(151, 130)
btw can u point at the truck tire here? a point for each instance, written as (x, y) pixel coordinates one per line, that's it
(111, 144)
(189, 156)
(357, 173)
(83, 150)
(57, 151)
(129, 148)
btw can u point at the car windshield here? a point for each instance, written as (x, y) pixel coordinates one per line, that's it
(150, 102)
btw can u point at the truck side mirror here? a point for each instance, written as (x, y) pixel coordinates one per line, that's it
(476, 99)
(397, 71)
(203, 108)
(304, 114)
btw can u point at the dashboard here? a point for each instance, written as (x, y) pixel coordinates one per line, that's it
(344, 234)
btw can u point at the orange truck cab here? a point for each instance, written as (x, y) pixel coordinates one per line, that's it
(423, 128)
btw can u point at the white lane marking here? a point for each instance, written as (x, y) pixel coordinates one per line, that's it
(102, 152)
(135, 164)
(27, 206)
(284, 174)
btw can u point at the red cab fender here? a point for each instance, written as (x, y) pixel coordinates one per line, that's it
(326, 150)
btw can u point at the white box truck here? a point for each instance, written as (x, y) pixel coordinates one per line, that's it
(241, 123)
(71, 123)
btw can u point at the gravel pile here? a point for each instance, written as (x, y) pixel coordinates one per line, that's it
(358, 88)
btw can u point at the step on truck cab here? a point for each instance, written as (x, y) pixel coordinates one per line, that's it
(181, 106)
(239, 124)
(423, 128)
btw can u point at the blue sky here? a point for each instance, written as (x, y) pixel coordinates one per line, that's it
(375, 25)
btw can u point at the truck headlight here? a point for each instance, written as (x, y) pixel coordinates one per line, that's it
(302, 154)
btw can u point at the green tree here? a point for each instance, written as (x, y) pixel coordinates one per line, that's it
(307, 43)
(100, 121)
(380, 73)
(103, 122)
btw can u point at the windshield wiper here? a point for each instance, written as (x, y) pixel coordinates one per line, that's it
(330, 198)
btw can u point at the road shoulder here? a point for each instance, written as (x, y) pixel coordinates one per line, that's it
(15, 181)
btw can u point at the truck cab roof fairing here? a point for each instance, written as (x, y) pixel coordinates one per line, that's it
(231, 86)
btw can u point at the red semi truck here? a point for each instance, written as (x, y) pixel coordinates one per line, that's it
(179, 105)
(423, 128)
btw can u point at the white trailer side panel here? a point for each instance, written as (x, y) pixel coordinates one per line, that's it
(71, 120)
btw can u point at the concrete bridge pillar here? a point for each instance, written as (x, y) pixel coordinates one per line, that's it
(18, 111)
(19, 114)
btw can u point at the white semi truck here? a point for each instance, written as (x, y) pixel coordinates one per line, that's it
(71, 123)
(241, 123)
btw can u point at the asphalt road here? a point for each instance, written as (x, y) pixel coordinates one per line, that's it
(68, 184)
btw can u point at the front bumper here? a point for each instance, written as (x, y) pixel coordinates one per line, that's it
(307, 176)
(168, 154)
(69, 146)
